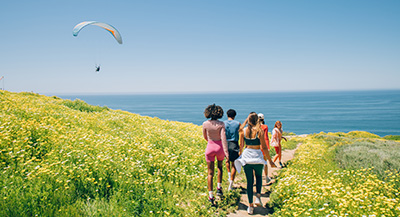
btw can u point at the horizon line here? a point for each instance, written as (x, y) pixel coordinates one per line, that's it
(210, 92)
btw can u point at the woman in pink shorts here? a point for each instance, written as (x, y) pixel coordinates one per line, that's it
(214, 134)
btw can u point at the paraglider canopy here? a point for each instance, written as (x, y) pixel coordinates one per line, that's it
(105, 26)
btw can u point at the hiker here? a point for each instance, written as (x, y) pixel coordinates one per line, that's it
(252, 158)
(214, 134)
(276, 139)
(232, 137)
(265, 129)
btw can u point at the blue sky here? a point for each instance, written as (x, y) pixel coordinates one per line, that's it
(200, 46)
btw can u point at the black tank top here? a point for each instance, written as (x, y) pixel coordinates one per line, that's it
(255, 141)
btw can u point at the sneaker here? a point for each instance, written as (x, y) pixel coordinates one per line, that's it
(280, 163)
(267, 179)
(230, 187)
(211, 200)
(219, 192)
(250, 210)
(257, 202)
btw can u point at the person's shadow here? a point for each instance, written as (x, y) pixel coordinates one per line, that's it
(264, 210)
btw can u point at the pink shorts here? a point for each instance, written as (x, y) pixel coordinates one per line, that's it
(214, 148)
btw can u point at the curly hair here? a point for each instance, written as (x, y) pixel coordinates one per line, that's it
(214, 112)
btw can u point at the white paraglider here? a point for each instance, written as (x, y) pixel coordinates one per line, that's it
(105, 26)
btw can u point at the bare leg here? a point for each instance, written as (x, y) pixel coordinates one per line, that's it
(276, 157)
(228, 166)
(278, 154)
(219, 178)
(210, 166)
(233, 174)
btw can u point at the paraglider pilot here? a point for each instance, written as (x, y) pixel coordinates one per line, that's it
(97, 68)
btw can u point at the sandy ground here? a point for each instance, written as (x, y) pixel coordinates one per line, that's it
(241, 183)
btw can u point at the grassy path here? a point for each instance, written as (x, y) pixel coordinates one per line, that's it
(241, 183)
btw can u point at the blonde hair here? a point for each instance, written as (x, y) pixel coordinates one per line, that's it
(253, 123)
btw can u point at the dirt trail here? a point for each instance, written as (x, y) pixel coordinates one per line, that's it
(241, 183)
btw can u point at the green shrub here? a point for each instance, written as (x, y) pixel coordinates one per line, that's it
(82, 106)
(392, 137)
(288, 134)
(380, 155)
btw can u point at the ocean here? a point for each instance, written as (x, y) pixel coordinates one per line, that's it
(377, 112)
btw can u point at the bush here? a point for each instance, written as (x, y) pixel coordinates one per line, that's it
(392, 137)
(380, 155)
(82, 106)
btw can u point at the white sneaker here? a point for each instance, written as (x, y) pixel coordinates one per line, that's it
(258, 202)
(250, 210)
(267, 179)
(230, 187)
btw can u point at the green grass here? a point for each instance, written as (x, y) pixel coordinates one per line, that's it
(392, 137)
(382, 156)
(290, 144)
(82, 106)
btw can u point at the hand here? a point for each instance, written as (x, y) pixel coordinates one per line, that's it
(272, 164)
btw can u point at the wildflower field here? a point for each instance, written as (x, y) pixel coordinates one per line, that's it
(340, 174)
(67, 158)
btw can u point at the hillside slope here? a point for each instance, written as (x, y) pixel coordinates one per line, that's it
(68, 158)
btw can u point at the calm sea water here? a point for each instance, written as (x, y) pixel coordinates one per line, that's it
(377, 112)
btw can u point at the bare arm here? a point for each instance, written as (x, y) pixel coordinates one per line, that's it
(224, 142)
(205, 134)
(242, 126)
(266, 137)
(241, 141)
(241, 135)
